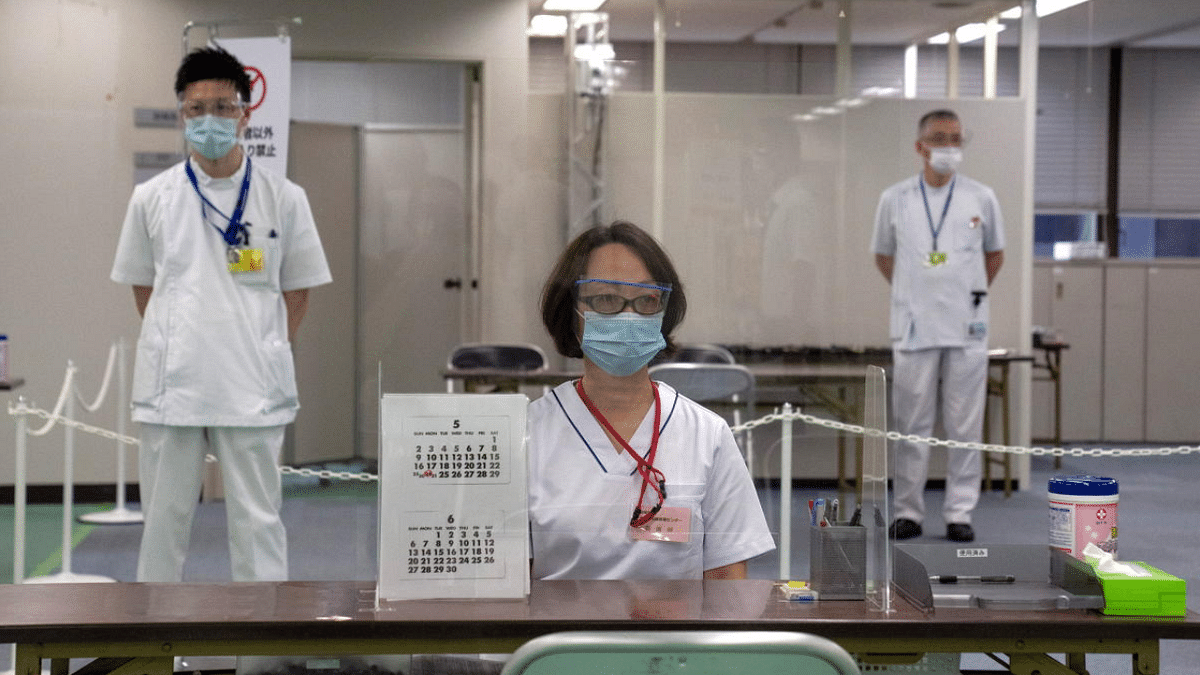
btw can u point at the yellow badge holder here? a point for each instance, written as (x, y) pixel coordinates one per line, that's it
(248, 260)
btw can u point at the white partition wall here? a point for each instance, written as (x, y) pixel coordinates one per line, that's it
(769, 218)
(770, 209)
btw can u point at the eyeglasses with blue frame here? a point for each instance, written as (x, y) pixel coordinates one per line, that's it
(601, 296)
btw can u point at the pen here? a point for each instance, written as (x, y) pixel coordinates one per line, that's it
(956, 578)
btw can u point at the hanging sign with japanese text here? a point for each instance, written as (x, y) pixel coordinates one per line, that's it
(268, 61)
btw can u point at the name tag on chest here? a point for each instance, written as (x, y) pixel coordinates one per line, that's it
(671, 524)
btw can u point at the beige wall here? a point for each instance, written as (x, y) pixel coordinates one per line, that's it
(71, 74)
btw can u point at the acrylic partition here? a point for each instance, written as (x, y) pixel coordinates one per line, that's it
(768, 208)
(876, 509)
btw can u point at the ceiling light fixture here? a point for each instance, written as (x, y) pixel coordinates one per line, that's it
(1044, 8)
(964, 34)
(572, 5)
(601, 51)
(547, 25)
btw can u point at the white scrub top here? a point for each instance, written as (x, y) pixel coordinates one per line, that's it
(932, 305)
(214, 347)
(582, 493)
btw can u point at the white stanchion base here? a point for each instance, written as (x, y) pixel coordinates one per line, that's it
(69, 578)
(118, 516)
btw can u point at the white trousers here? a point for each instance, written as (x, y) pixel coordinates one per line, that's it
(171, 463)
(963, 376)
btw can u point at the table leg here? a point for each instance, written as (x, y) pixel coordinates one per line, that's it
(26, 660)
(997, 387)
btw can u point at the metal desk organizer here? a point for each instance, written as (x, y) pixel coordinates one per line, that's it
(999, 577)
(838, 561)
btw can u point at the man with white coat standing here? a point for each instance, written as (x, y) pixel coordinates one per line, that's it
(939, 241)
(220, 253)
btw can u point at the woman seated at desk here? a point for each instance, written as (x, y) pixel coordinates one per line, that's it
(627, 478)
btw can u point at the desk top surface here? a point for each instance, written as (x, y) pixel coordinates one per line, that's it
(346, 610)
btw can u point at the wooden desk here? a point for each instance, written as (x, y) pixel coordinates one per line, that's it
(839, 388)
(139, 628)
(1000, 362)
(1051, 363)
(502, 379)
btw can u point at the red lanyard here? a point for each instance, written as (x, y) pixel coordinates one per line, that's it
(651, 477)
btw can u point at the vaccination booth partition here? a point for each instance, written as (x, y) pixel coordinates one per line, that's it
(768, 214)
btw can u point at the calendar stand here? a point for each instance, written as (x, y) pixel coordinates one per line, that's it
(453, 519)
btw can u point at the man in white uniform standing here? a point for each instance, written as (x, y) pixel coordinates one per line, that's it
(939, 241)
(221, 253)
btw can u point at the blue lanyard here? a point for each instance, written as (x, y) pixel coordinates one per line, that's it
(236, 233)
(935, 231)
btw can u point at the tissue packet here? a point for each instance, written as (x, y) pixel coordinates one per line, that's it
(1160, 594)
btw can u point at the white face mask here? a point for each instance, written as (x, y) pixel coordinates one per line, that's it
(945, 160)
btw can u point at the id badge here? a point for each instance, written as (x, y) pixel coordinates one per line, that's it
(977, 330)
(936, 258)
(671, 523)
(245, 260)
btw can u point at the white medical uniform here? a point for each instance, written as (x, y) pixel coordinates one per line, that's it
(582, 493)
(214, 364)
(938, 331)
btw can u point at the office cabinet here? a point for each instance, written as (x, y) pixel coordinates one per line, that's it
(1041, 419)
(1124, 365)
(1172, 360)
(1077, 314)
(1132, 372)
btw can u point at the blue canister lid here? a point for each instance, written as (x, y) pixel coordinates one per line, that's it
(1086, 486)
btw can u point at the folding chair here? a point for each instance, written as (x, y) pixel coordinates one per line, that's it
(711, 383)
(514, 357)
(690, 652)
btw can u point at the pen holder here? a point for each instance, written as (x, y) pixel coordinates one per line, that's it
(838, 562)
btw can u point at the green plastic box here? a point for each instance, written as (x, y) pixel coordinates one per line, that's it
(1160, 594)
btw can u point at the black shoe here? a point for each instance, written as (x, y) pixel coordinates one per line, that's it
(903, 528)
(960, 532)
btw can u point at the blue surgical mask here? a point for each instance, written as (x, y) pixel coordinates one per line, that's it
(622, 344)
(211, 136)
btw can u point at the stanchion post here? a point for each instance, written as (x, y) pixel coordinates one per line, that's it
(68, 476)
(785, 494)
(122, 405)
(19, 495)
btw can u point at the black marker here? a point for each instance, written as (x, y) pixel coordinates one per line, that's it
(957, 578)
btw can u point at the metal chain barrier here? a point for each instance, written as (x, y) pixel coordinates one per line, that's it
(967, 445)
(328, 475)
(55, 417)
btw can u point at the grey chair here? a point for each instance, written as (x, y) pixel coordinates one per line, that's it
(715, 385)
(691, 652)
(518, 357)
(700, 353)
